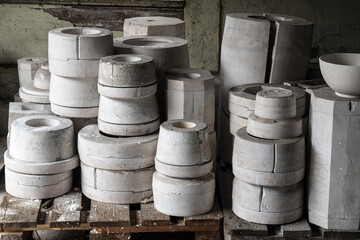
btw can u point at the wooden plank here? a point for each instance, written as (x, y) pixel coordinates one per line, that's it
(109, 215)
(108, 17)
(65, 211)
(13, 235)
(340, 234)
(298, 229)
(96, 236)
(215, 216)
(233, 225)
(139, 3)
(208, 235)
(18, 212)
(152, 217)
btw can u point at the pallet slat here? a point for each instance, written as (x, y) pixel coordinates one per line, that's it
(298, 229)
(109, 215)
(212, 217)
(152, 217)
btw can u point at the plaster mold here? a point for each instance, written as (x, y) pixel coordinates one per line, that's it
(42, 77)
(267, 205)
(334, 166)
(70, 112)
(183, 143)
(127, 70)
(72, 68)
(190, 94)
(27, 68)
(129, 92)
(154, 26)
(183, 197)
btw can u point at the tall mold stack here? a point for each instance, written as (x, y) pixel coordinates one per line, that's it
(267, 48)
(269, 161)
(117, 156)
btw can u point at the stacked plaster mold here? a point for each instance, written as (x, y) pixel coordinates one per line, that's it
(259, 48)
(190, 95)
(154, 26)
(183, 184)
(41, 158)
(74, 55)
(269, 161)
(117, 156)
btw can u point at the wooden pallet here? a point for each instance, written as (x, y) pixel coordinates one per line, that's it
(74, 211)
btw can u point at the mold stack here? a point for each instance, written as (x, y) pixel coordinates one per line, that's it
(183, 184)
(122, 147)
(269, 161)
(74, 55)
(190, 95)
(41, 158)
(27, 68)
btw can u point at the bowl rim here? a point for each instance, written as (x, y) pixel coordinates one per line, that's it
(323, 59)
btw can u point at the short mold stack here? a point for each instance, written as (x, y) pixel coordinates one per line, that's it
(183, 184)
(269, 161)
(37, 91)
(128, 102)
(74, 55)
(122, 147)
(190, 95)
(27, 68)
(41, 157)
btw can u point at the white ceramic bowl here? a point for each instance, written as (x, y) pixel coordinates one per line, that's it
(341, 72)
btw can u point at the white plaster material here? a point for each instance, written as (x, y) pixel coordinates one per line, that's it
(29, 93)
(190, 94)
(42, 77)
(184, 171)
(267, 205)
(183, 143)
(129, 110)
(80, 43)
(74, 68)
(115, 197)
(37, 186)
(154, 26)
(341, 72)
(128, 130)
(167, 52)
(74, 92)
(274, 129)
(268, 178)
(42, 138)
(122, 92)
(275, 104)
(273, 156)
(117, 153)
(20, 109)
(183, 197)
(242, 98)
(127, 70)
(236, 123)
(71, 112)
(27, 68)
(255, 43)
(117, 180)
(40, 168)
(334, 125)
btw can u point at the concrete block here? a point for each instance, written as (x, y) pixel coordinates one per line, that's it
(190, 94)
(122, 153)
(117, 180)
(40, 168)
(274, 129)
(267, 205)
(127, 92)
(333, 201)
(275, 104)
(272, 156)
(183, 197)
(74, 92)
(127, 70)
(37, 187)
(154, 26)
(74, 68)
(27, 68)
(42, 138)
(183, 171)
(79, 43)
(183, 143)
